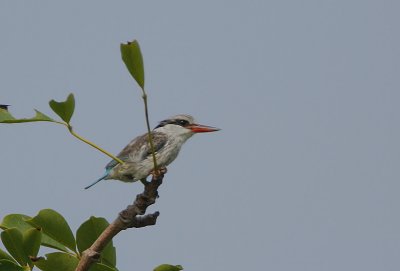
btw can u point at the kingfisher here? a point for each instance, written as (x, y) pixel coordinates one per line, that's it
(168, 137)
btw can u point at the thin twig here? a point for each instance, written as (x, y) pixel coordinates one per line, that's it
(91, 144)
(150, 138)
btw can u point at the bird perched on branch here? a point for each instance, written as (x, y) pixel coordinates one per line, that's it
(168, 137)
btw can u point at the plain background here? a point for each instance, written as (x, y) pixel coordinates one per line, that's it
(304, 174)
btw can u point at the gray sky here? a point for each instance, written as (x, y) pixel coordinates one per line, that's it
(305, 172)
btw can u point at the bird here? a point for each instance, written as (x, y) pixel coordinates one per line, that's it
(168, 137)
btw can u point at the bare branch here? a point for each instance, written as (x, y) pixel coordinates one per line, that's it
(132, 217)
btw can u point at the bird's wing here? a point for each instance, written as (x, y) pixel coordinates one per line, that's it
(140, 145)
(159, 141)
(124, 154)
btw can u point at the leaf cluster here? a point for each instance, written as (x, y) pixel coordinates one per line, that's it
(23, 236)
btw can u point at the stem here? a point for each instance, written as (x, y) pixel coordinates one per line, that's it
(150, 138)
(92, 144)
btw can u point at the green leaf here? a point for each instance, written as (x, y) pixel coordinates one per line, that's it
(132, 57)
(5, 256)
(55, 226)
(6, 265)
(13, 242)
(168, 267)
(32, 239)
(57, 261)
(6, 117)
(65, 109)
(19, 221)
(101, 267)
(15, 221)
(88, 232)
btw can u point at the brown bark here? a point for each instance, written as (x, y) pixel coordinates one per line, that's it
(132, 217)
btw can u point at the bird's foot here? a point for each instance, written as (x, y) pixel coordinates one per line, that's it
(163, 170)
(159, 171)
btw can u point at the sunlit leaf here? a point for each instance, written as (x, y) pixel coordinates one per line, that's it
(65, 109)
(19, 221)
(88, 232)
(57, 261)
(55, 226)
(13, 242)
(132, 57)
(6, 117)
(32, 239)
(168, 267)
(15, 221)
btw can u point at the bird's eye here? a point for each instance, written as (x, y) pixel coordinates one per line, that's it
(182, 123)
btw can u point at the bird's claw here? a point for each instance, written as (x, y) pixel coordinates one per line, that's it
(163, 170)
(159, 171)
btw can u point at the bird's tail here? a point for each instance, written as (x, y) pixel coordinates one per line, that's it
(101, 178)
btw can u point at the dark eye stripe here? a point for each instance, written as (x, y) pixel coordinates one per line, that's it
(179, 122)
(182, 123)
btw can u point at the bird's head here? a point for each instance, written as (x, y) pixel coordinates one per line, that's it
(183, 125)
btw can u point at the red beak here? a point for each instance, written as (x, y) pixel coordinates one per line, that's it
(198, 128)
